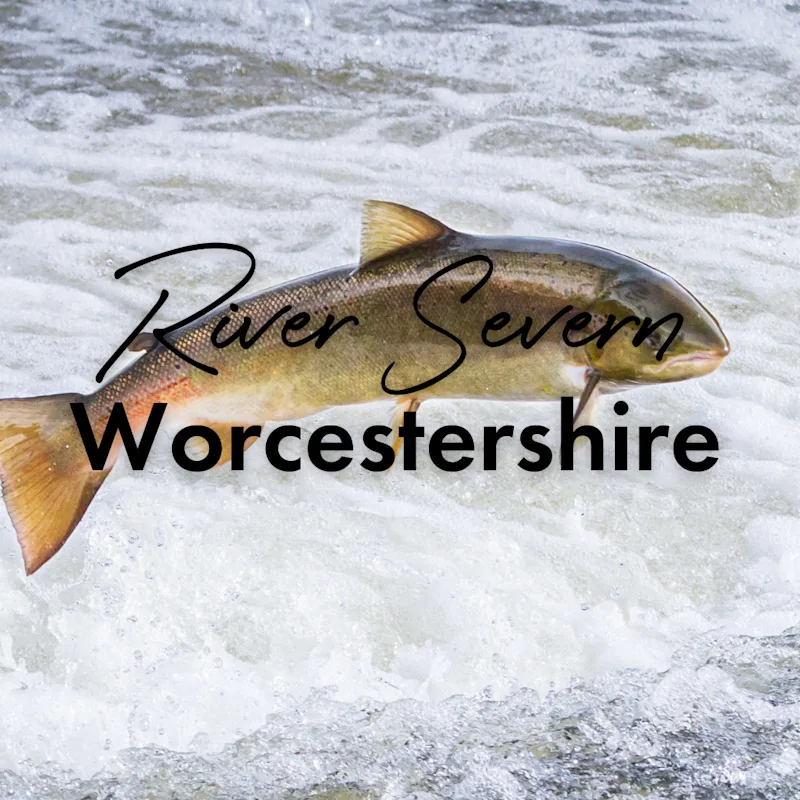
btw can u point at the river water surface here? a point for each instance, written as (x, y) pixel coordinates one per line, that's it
(420, 634)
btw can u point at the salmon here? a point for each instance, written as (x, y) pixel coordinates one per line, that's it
(428, 312)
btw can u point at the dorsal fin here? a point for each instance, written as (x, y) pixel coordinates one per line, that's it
(143, 341)
(386, 227)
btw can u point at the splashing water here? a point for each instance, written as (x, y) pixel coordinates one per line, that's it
(419, 634)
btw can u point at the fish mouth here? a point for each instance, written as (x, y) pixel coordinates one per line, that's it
(696, 361)
(699, 362)
(702, 357)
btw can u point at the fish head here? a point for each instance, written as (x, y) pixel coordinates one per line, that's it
(675, 337)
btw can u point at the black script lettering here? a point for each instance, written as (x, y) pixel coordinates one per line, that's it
(462, 348)
(160, 333)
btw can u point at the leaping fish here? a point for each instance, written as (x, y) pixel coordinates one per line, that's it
(48, 482)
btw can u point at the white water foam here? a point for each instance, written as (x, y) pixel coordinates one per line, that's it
(262, 622)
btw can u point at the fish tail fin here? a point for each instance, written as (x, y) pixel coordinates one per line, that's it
(47, 480)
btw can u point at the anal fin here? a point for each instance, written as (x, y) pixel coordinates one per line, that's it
(587, 405)
(586, 411)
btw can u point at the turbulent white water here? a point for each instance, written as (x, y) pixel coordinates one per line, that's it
(418, 634)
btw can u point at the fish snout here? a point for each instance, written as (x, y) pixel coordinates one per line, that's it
(724, 347)
(702, 345)
(702, 357)
(713, 346)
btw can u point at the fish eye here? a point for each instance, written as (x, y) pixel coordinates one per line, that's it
(657, 339)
